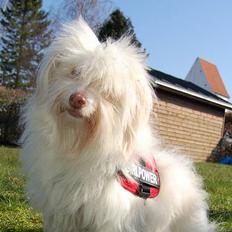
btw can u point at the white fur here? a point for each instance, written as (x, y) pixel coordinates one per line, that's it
(71, 163)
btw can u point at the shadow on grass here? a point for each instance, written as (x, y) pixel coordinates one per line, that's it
(20, 230)
(10, 145)
(224, 215)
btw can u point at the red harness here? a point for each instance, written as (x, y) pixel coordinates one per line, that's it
(145, 181)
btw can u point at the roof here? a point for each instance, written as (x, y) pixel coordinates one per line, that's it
(213, 77)
(174, 84)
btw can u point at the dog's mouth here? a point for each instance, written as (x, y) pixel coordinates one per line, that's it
(76, 113)
(76, 103)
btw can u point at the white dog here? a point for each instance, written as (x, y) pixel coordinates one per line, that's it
(87, 124)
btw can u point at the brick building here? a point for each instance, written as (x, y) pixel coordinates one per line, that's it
(188, 116)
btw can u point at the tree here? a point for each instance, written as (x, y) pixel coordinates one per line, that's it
(25, 36)
(93, 12)
(116, 26)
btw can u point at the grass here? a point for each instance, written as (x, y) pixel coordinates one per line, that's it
(218, 183)
(17, 216)
(15, 213)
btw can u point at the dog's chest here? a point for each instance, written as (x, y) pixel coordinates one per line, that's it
(115, 209)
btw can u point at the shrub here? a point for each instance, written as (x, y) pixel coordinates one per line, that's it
(228, 122)
(10, 103)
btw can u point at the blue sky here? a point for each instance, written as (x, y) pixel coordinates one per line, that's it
(176, 32)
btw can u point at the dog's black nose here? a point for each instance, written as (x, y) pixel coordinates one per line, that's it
(77, 100)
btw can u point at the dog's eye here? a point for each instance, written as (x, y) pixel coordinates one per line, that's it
(75, 73)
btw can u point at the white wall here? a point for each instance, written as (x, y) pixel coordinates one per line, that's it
(197, 76)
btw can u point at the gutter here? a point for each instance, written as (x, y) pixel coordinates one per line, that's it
(192, 94)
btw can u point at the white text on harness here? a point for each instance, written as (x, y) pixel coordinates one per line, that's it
(144, 175)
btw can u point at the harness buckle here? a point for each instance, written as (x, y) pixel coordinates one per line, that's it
(144, 191)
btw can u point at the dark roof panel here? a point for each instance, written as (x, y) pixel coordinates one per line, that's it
(157, 75)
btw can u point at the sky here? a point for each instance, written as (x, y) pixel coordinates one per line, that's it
(176, 32)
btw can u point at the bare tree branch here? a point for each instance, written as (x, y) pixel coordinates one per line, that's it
(93, 11)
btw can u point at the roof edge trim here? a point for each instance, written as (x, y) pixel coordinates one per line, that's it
(194, 94)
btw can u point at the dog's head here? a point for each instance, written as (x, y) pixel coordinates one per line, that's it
(102, 88)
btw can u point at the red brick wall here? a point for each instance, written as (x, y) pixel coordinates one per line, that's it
(194, 127)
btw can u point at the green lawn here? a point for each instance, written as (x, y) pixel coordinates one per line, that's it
(218, 183)
(15, 213)
(17, 216)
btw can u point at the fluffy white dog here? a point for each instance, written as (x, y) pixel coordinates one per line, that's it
(87, 123)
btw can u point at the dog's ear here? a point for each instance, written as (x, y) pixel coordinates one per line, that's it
(43, 74)
(78, 35)
(74, 38)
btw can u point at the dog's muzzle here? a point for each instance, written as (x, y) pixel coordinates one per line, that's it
(77, 102)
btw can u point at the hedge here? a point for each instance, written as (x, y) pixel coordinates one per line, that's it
(11, 101)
